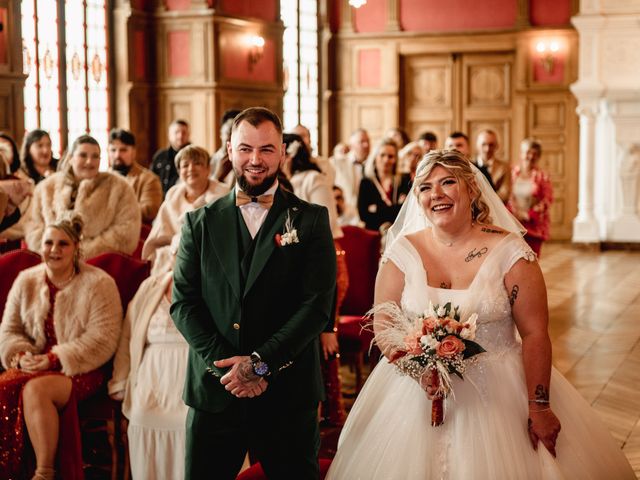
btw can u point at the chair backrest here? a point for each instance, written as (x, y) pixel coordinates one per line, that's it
(128, 272)
(362, 254)
(11, 264)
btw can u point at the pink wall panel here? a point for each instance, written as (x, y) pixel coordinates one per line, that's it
(369, 64)
(550, 12)
(179, 45)
(371, 17)
(3, 36)
(234, 50)
(177, 4)
(439, 16)
(555, 76)
(263, 9)
(139, 55)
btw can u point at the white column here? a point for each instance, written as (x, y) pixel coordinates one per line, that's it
(585, 225)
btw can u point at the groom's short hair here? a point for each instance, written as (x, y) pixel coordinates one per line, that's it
(255, 116)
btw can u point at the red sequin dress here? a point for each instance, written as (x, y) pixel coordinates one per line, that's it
(14, 440)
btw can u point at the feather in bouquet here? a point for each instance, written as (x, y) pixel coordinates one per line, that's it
(437, 342)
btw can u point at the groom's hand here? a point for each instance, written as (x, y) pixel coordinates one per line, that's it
(240, 380)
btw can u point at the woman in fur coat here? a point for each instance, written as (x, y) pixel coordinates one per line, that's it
(105, 201)
(61, 323)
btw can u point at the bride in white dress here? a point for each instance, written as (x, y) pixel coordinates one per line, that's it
(513, 416)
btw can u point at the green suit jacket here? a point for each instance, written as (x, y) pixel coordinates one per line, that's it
(278, 310)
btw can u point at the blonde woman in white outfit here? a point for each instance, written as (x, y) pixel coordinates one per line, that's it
(148, 375)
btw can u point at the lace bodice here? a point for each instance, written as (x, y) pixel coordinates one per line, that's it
(486, 295)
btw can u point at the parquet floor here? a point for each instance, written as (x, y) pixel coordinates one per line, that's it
(594, 308)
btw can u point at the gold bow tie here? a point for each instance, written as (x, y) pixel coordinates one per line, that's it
(242, 199)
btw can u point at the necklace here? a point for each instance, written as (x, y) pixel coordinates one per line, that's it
(64, 283)
(444, 242)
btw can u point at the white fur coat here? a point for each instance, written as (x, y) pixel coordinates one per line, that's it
(162, 243)
(87, 317)
(107, 204)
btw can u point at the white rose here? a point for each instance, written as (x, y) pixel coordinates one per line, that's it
(428, 341)
(441, 312)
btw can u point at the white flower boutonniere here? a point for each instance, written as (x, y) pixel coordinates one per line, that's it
(290, 234)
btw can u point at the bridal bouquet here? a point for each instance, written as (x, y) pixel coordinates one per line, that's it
(436, 343)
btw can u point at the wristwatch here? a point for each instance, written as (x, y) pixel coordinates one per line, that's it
(260, 368)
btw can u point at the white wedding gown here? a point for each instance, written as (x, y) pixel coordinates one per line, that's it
(388, 433)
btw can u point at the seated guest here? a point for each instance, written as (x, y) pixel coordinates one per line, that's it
(460, 142)
(13, 156)
(195, 190)
(163, 163)
(499, 170)
(325, 165)
(382, 192)
(145, 184)
(37, 160)
(428, 141)
(311, 185)
(350, 167)
(410, 155)
(221, 169)
(150, 362)
(399, 136)
(105, 200)
(61, 323)
(13, 192)
(347, 215)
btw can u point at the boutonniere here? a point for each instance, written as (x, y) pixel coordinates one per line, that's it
(290, 234)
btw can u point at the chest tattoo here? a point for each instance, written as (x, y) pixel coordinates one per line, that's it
(445, 285)
(476, 254)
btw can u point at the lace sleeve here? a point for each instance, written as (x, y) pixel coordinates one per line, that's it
(516, 249)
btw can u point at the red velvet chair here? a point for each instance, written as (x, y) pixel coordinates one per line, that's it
(255, 472)
(362, 254)
(100, 413)
(145, 230)
(11, 264)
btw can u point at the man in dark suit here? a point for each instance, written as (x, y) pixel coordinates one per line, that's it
(253, 289)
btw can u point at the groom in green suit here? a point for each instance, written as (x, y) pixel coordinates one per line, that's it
(253, 289)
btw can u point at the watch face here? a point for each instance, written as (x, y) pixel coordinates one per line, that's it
(260, 368)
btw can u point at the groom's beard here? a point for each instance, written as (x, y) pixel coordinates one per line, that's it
(259, 189)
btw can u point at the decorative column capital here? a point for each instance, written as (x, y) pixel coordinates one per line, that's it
(393, 16)
(346, 17)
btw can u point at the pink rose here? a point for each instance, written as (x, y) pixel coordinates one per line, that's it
(428, 325)
(451, 325)
(412, 342)
(449, 347)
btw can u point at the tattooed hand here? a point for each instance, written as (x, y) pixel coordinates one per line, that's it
(240, 380)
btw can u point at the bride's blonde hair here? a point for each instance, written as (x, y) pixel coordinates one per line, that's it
(460, 166)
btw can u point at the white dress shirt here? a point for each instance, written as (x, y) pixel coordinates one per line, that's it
(254, 213)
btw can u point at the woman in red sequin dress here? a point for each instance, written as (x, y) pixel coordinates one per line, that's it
(61, 323)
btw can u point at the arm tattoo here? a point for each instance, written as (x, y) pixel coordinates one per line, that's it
(491, 230)
(473, 254)
(514, 294)
(541, 393)
(445, 285)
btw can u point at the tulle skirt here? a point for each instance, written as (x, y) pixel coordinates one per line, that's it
(388, 434)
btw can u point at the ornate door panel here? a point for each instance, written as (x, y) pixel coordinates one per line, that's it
(487, 96)
(429, 96)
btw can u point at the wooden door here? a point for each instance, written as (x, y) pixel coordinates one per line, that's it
(466, 92)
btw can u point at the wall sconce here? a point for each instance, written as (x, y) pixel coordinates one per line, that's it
(357, 3)
(547, 52)
(256, 49)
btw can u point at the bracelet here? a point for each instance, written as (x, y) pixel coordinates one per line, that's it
(537, 400)
(541, 410)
